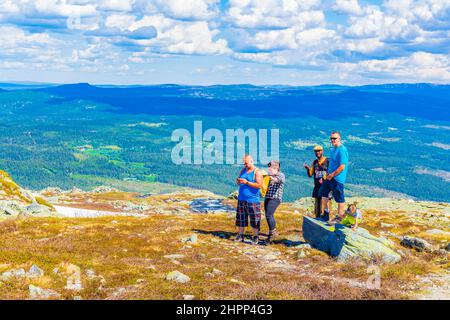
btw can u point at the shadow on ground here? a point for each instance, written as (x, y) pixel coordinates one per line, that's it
(231, 235)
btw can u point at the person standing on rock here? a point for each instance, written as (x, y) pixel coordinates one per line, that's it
(250, 180)
(318, 170)
(336, 176)
(273, 197)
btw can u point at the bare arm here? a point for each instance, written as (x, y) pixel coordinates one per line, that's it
(336, 172)
(355, 226)
(259, 180)
(309, 170)
(278, 178)
(237, 179)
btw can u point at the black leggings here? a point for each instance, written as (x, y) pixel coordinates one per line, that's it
(270, 206)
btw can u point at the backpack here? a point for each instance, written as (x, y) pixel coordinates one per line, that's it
(265, 186)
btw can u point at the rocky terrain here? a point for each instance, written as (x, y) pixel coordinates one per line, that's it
(109, 244)
(16, 201)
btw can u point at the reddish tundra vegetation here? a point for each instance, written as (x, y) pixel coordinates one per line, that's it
(155, 247)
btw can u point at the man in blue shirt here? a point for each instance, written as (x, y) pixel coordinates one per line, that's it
(336, 176)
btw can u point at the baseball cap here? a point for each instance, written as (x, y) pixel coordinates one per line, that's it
(318, 148)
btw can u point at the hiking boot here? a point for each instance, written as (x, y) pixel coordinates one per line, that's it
(239, 238)
(273, 234)
(255, 240)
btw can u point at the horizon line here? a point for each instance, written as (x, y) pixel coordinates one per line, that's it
(36, 83)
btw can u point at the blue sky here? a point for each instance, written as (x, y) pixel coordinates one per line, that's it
(296, 42)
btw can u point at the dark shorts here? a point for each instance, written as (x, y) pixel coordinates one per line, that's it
(335, 187)
(248, 210)
(316, 192)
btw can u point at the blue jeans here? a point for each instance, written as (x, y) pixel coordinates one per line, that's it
(270, 206)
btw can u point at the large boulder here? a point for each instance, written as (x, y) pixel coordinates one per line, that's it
(343, 242)
(16, 201)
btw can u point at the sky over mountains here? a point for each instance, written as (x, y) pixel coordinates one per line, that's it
(299, 42)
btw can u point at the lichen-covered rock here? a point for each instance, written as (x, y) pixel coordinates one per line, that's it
(177, 277)
(35, 272)
(15, 200)
(343, 242)
(37, 293)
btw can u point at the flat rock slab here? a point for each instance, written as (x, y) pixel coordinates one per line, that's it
(343, 242)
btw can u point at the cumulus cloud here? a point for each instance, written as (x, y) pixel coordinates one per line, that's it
(348, 6)
(419, 66)
(189, 9)
(274, 13)
(394, 40)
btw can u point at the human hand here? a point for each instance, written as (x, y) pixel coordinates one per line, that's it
(243, 181)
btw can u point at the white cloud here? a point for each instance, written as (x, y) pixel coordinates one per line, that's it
(348, 6)
(261, 57)
(419, 66)
(121, 21)
(64, 8)
(182, 37)
(188, 9)
(401, 40)
(116, 5)
(274, 13)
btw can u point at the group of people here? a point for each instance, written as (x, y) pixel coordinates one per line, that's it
(329, 180)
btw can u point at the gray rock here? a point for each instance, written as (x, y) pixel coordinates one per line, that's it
(11, 208)
(174, 256)
(35, 272)
(193, 238)
(36, 209)
(417, 244)
(302, 254)
(90, 274)
(14, 273)
(37, 293)
(438, 231)
(177, 277)
(343, 242)
(233, 195)
(214, 273)
(386, 225)
(303, 246)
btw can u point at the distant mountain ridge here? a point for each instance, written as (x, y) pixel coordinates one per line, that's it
(261, 101)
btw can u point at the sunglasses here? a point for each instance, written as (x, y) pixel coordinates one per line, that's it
(333, 138)
(317, 151)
